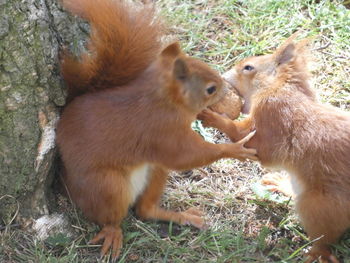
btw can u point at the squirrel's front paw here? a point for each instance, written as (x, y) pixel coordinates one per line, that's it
(242, 153)
(209, 118)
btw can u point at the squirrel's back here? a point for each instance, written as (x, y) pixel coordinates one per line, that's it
(124, 41)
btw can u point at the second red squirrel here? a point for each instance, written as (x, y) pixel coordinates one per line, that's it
(128, 120)
(295, 132)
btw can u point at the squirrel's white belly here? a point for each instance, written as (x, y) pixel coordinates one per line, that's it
(139, 180)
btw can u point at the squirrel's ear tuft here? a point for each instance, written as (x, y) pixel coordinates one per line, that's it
(172, 50)
(180, 69)
(285, 54)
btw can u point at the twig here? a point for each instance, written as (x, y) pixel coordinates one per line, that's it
(322, 47)
(8, 226)
(16, 213)
(203, 171)
(335, 56)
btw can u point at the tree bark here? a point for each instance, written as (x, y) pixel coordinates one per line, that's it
(32, 33)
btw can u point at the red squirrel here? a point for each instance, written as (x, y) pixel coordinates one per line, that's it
(297, 133)
(128, 118)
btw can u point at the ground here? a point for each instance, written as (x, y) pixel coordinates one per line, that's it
(241, 226)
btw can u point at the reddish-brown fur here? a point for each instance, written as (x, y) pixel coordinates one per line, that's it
(297, 133)
(129, 119)
(137, 43)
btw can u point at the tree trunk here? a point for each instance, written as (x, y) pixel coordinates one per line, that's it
(32, 33)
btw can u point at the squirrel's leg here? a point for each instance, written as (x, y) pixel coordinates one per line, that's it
(147, 206)
(325, 218)
(104, 197)
(191, 151)
(212, 119)
(235, 130)
(279, 182)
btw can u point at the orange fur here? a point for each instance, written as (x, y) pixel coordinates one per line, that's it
(297, 133)
(118, 142)
(122, 45)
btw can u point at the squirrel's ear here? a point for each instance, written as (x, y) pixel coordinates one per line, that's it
(180, 69)
(173, 50)
(285, 54)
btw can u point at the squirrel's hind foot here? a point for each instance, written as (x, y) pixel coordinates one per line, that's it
(113, 238)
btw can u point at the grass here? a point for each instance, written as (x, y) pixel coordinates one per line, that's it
(241, 226)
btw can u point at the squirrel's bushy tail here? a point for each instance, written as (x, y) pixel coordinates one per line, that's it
(124, 40)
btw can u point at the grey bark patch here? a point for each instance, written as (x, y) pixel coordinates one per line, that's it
(32, 34)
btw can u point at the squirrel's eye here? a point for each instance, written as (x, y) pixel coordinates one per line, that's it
(248, 67)
(211, 90)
